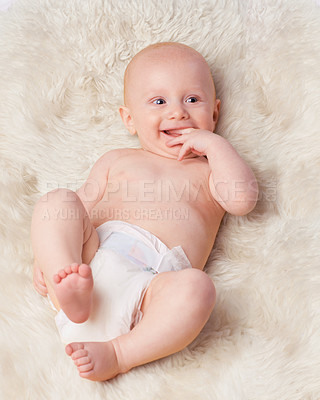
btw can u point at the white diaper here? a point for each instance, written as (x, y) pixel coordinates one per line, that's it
(128, 258)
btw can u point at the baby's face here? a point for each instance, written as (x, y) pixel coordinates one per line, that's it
(167, 91)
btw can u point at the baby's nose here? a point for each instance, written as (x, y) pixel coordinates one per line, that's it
(178, 111)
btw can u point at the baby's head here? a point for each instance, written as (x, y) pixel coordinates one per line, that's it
(168, 87)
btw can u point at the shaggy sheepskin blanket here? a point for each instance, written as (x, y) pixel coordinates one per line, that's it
(61, 77)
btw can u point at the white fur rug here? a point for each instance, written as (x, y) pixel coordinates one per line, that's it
(61, 69)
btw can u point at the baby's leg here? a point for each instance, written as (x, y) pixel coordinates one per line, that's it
(64, 242)
(176, 307)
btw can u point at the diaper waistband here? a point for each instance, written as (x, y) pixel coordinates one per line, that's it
(141, 247)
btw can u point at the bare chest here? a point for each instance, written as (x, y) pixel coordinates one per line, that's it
(160, 181)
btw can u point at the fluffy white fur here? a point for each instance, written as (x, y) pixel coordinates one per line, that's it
(61, 74)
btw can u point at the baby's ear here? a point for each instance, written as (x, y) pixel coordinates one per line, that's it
(216, 111)
(127, 119)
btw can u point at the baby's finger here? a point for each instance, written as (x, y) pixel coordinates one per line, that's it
(173, 142)
(177, 140)
(185, 150)
(39, 277)
(39, 282)
(40, 288)
(43, 291)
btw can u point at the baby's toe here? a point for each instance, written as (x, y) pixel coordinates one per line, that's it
(85, 270)
(82, 361)
(57, 278)
(68, 270)
(86, 375)
(79, 354)
(62, 273)
(86, 367)
(72, 347)
(74, 267)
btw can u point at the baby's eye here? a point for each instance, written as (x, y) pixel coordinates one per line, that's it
(159, 101)
(191, 100)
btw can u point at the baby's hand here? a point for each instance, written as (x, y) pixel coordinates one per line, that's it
(197, 141)
(38, 281)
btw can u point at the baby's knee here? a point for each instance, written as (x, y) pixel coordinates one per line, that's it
(59, 197)
(199, 290)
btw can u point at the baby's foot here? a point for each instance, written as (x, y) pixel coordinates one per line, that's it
(96, 361)
(73, 288)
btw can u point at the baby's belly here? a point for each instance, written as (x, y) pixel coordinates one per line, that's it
(192, 228)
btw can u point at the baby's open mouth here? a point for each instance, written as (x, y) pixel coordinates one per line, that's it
(174, 132)
(171, 133)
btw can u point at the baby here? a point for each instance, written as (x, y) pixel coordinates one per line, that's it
(133, 240)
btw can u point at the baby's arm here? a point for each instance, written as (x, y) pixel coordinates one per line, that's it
(231, 181)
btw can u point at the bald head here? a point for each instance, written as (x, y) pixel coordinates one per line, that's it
(169, 51)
